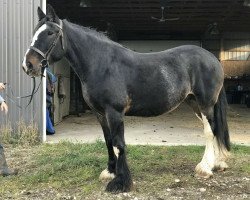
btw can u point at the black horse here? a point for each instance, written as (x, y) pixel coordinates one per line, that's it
(117, 81)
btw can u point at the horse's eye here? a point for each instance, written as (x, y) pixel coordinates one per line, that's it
(50, 33)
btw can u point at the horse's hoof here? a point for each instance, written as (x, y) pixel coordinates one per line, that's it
(221, 166)
(203, 171)
(106, 176)
(119, 184)
(8, 172)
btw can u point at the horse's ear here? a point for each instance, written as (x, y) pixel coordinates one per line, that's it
(51, 14)
(40, 13)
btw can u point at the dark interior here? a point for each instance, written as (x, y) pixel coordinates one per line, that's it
(204, 20)
(132, 19)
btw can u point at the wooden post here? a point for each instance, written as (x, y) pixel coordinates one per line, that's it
(222, 53)
(43, 6)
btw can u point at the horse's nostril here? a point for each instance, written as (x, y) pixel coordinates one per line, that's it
(29, 65)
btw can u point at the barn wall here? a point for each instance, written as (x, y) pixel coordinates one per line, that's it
(17, 20)
(235, 58)
(233, 50)
(232, 46)
(236, 46)
(61, 69)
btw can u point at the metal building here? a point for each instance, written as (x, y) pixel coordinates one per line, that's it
(17, 21)
(222, 27)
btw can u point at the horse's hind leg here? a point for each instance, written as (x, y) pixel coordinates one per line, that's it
(213, 116)
(205, 167)
(191, 101)
(122, 181)
(109, 172)
(217, 138)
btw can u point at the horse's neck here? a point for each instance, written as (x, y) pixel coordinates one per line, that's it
(82, 49)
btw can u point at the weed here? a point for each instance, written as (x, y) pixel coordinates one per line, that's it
(20, 134)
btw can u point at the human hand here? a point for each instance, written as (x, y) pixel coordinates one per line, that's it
(2, 86)
(4, 107)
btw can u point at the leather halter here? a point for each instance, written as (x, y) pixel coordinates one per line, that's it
(44, 62)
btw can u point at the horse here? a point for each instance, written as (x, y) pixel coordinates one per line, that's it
(117, 81)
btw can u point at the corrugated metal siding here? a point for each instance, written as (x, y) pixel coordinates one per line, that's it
(236, 49)
(234, 46)
(17, 20)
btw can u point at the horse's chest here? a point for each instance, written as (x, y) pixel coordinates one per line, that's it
(88, 98)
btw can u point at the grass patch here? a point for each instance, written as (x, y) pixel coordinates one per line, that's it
(74, 169)
(20, 134)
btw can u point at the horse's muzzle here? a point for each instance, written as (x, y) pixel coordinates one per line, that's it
(28, 68)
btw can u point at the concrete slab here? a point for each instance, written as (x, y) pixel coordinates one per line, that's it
(181, 127)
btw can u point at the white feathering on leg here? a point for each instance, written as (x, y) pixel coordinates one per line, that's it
(204, 168)
(106, 175)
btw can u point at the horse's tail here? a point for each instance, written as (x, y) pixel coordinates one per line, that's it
(220, 118)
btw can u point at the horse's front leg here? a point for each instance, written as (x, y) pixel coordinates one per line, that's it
(122, 181)
(109, 173)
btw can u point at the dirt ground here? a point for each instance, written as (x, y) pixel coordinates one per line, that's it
(180, 127)
(69, 172)
(159, 173)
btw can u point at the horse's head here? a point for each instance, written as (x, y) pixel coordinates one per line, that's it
(47, 44)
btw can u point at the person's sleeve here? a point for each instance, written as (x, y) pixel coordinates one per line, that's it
(1, 99)
(52, 76)
(54, 79)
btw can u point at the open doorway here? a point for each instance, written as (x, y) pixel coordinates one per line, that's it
(73, 120)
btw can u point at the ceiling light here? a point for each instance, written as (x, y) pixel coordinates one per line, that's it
(246, 3)
(213, 29)
(85, 3)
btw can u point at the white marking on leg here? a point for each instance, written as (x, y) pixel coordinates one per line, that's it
(204, 168)
(116, 151)
(106, 175)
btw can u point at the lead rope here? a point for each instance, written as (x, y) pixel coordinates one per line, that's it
(34, 91)
(12, 100)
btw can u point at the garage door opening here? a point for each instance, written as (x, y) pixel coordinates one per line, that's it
(72, 117)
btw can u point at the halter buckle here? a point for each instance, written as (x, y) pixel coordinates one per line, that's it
(44, 63)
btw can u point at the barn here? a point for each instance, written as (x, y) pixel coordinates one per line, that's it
(221, 27)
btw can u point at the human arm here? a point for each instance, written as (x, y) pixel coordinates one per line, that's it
(3, 105)
(1, 99)
(2, 86)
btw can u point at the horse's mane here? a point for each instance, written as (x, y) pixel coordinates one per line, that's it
(93, 32)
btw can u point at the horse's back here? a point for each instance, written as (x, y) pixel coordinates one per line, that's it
(162, 80)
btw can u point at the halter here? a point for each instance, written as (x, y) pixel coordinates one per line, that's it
(44, 62)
